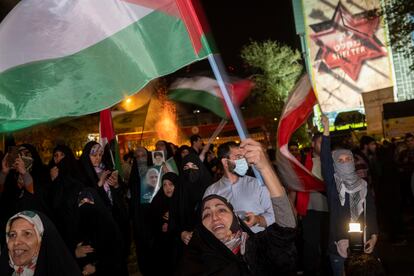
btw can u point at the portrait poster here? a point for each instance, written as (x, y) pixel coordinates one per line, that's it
(150, 183)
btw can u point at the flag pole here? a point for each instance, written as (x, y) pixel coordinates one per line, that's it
(217, 131)
(187, 10)
(221, 76)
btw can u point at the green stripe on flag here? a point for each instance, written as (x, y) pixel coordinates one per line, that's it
(97, 77)
(200, 98)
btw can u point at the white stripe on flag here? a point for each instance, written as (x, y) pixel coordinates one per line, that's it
(61, 28)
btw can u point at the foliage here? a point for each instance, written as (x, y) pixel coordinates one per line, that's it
(400, 19)
(275, 69)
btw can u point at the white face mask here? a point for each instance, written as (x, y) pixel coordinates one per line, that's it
(241, 166)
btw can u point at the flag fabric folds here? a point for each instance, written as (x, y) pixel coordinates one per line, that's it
(205, 92)
(297, 109)
(63, 58)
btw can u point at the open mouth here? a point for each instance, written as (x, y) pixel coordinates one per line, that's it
(218, 227)
(18, 252)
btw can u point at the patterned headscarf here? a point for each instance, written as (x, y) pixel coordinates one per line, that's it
(33, 218)
(347, 181)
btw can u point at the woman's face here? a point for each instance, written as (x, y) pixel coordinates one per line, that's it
(160, 146)
(23, 242)
(217, 218)
(96, 156)
(184, 153)
(168, 188)
(58, 156)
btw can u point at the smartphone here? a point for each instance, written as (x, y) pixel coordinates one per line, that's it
(241, 215)
(12, 154)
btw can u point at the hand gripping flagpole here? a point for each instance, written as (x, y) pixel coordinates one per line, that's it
(222, 78)
(193, 25)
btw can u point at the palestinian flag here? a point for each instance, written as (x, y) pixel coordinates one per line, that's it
(205, 92)
(297, 109)
(74, 57)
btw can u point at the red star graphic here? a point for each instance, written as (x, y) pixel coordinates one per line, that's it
(189, 11)
(347, 40)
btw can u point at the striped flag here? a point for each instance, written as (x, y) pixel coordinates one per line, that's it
(297, 109)
(205, 92)
(63, 58)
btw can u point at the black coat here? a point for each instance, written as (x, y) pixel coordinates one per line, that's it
(97, 228)
(270, 252)
(118, 207)
(63, 196)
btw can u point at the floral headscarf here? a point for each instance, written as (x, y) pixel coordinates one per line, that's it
(33, 218)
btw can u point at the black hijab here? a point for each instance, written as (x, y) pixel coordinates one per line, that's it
(188, 196)
(15, 199)
(54, 257)
(270, 252)
(96, 227)
(206, 255)
(161, 203)
(63, 195)
(91, 178)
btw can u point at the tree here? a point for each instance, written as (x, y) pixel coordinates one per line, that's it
(275, 68)
(400, 19)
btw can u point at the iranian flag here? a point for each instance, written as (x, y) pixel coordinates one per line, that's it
(205, 92)
(297, 109)
(74, 57)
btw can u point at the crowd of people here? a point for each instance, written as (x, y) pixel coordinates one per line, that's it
(205, 215)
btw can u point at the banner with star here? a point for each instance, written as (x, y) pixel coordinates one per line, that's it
(346, 51)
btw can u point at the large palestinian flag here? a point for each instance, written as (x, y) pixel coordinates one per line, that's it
(74, 57)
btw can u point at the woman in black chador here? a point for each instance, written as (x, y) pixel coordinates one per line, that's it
(65, 185)
(163, 244)
(99, 240)
(22, 182)
(100, 175)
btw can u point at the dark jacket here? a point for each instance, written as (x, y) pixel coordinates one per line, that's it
(340, 215)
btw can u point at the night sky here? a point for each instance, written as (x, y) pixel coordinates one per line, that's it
(235, 23)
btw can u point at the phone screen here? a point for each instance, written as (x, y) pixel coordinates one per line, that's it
(12, 154)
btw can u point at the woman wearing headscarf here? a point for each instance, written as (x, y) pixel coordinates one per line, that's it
(35, 248)
(100, 175)
(349, 201)
(186, 206)
(65, 185)
(140, 210)
(99, 240)
(223, 245)
(162, 145)
(23, 180)
(163, 247)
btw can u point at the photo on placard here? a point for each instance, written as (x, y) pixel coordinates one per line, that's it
(158, 158)
(150, 184)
